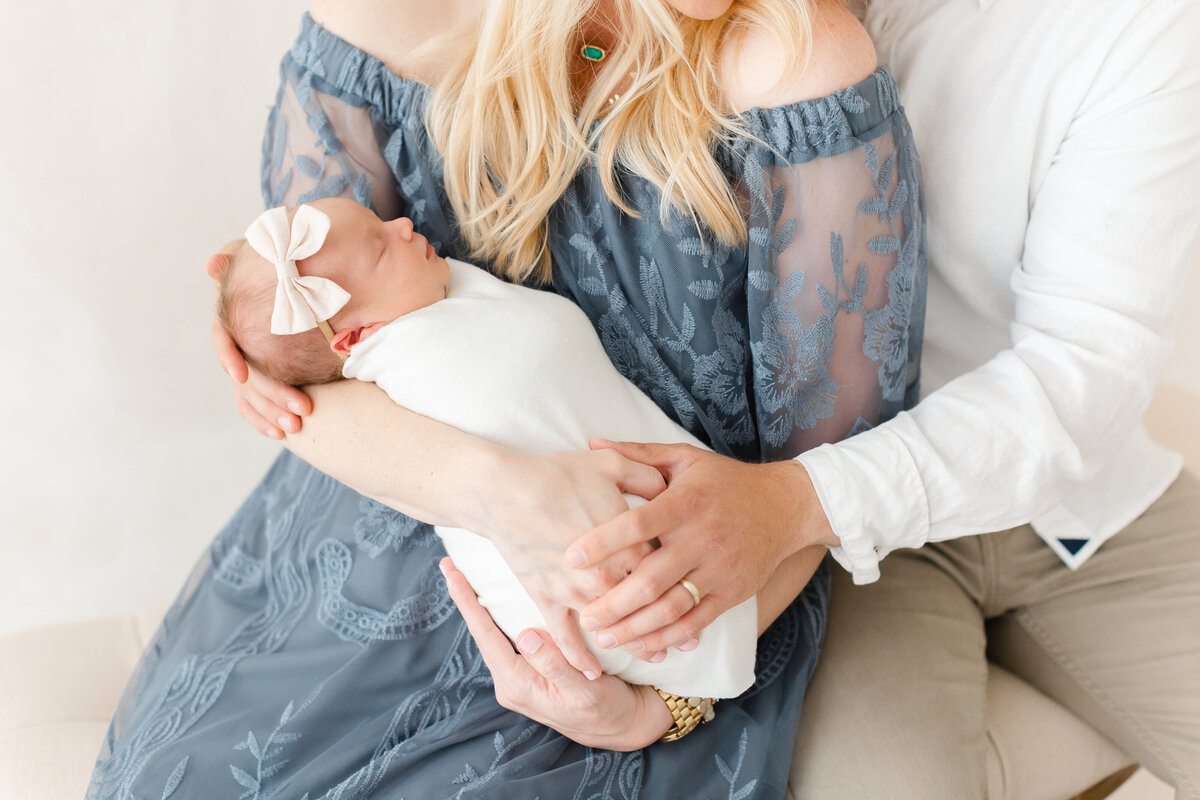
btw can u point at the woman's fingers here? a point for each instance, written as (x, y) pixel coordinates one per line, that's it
(626, 561)
(256, 392)
(621, 533)
(666, 458)
(639, 479)
(645, 523)
(256, 420)
(562, 626)
(657, 573)
(541, 653)
(684, 633)
(282, 398)
(628, 632)
(228, 355)
(494, 646)
(517, 678)
(271, 407)
(560, 622)
(540, 683)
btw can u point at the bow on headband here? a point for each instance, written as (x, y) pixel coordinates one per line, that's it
(301, 303)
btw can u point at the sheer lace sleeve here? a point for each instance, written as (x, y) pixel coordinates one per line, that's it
(809, 333)
(835, 283)
(343, 126)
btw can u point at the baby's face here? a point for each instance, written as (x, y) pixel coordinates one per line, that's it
(387, 268)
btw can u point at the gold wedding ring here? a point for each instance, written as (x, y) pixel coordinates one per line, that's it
(692, 590)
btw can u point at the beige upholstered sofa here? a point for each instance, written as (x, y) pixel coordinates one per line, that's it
(121, 169)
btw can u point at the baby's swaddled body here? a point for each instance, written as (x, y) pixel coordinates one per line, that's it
(525, 369)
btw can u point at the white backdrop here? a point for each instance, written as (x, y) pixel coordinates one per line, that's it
(128, 151)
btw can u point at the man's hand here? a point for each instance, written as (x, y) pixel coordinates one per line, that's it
(723, 524)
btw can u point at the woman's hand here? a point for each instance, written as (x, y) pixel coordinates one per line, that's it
(271, 407)
(551, 500)
(723, 524)
(539, 683)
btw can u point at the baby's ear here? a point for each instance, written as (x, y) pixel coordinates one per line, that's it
(344, 339)
(348, 337)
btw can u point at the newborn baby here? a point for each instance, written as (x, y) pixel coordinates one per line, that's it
(521, 367)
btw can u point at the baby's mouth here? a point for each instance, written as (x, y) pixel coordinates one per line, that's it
(429, 253)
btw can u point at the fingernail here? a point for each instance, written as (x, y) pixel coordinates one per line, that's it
(690, 644)
(275, 433)
(591, 676)
(606, 640)
(576, 558)
(636, 646)
(285, 423)
(658, 657)
(446, 572)
(529, 642)
(590, 624)
(294, 407)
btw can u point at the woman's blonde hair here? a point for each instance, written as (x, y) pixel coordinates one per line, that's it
(512, 139)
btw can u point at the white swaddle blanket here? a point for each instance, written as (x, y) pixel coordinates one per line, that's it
(524, 368)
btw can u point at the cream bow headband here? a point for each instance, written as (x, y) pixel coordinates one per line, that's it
(301, 303)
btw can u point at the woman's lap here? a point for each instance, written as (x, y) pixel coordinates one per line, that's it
(316, 647)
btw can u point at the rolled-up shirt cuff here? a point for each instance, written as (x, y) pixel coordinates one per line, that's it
(871, 491)
(863, 565)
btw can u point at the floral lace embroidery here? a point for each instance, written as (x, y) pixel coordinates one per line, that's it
(267, 761)
(379, 528)
(238, 570)
(425, 609)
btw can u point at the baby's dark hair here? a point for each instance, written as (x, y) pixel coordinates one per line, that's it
(245, 298)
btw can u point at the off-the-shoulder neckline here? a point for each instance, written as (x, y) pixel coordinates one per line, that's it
(762, 112)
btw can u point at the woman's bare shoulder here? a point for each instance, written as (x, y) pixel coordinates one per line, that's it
(392, 29)
(842, 55)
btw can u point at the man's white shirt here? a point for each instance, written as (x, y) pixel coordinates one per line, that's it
(1060, 144)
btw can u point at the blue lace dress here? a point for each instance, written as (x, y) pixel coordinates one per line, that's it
(315, 652)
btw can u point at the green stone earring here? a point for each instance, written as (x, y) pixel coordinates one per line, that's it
(592, 53)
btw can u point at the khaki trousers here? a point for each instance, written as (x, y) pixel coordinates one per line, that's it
(896, 708)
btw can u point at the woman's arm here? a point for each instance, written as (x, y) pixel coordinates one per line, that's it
(439, 474)
(359, 436)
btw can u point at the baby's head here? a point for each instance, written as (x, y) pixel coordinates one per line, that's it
(387, 269)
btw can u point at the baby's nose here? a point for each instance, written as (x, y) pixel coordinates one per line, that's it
(401, 227)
